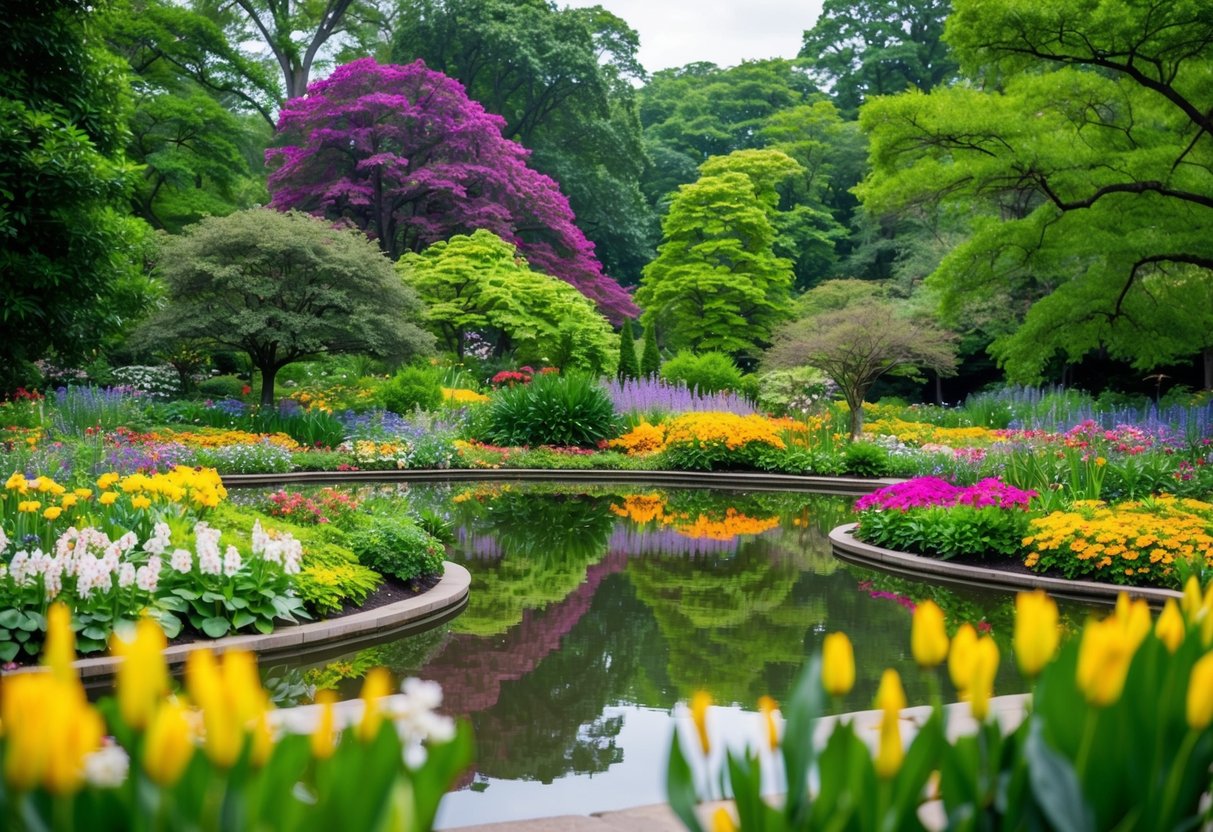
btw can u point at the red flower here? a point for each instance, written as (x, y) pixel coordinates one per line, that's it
(245, 390)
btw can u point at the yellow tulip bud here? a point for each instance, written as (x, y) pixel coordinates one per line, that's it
(1192, 600)
(242, 686)
(142, 676)
(768, 707)
(722, 821)
(928, 636)
(890, 696)
(1133, 617)
(23, 711)
(1036, 632)
(168, 745)
(263, 742)
(961, 657)
(1170, 628)
(59, 651)
(323, 738)
(83, 493)
(981, 678)
(837, 664)
(700, 703)
(378, 684)
(890, 753)
(205, 685)
(52, 513)
(108, 498)
(1103, 661)
(29, 506)
(1200, 694)
(72, 732)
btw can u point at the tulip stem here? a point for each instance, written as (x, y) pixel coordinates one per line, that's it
(1088, 740)
(1175, 779)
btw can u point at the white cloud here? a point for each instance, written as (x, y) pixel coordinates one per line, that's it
(725, 32)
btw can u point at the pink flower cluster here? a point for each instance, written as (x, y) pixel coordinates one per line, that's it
(924, 492)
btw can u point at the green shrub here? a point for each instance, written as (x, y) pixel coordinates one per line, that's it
(222, 387)
(412, 388)
(326, 585)
(946, 532)
(397, 547)
(551, 410)
(320, 460)
(710, 372)
(864, 459)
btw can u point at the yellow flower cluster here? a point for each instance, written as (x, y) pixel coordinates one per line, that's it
(218, 438)
(1137, 538)
(733, 430)
(642, 440)
(462, 395)
(649, 508)
(922, 433)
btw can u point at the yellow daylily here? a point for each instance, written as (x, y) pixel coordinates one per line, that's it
(837, 664)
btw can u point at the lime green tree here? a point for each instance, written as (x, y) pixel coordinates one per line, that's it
(1084, 157)
(717, 283)
(479, 283)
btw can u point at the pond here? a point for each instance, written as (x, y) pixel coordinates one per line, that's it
(594, 610)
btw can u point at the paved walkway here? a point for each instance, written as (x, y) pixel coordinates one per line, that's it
(1008, 710)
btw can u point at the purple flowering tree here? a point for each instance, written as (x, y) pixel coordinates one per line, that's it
(404, 154)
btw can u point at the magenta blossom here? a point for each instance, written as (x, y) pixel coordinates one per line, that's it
(925, 492)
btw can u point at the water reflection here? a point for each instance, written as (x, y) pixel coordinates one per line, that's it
(595, 610)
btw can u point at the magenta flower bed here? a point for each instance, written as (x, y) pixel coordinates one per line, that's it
(925, 492)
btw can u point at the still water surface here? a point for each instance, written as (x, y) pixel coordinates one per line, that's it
(594, 611)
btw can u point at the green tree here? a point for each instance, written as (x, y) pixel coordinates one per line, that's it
(629, 365)
(199, 126)
(878, 47)
(283, 287)
(69, 255)
(479, 283)
(717, 283)
(561, 78)
(1085, 169)
(859, 343)
(650, 356)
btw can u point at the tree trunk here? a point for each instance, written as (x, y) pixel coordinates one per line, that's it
(1207, 356)
(856, 404)
(938, 389)
(267, 384)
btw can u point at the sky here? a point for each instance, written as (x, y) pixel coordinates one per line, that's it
(725, 32)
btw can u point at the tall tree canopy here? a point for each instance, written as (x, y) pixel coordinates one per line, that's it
(68, 255)
(199, 124)
(717, 283)
(402, 153)
(478, 283)
(878, 47)
(1087, 169)
(561, 78)
(282, 287)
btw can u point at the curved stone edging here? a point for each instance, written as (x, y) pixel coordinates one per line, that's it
(752, 481)
(914, 566)
(436, 604)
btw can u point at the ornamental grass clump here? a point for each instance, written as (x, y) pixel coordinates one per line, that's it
(562, 410)
(216, 754)
(932, 517)
(1124, 690)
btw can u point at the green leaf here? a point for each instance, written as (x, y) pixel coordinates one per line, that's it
(680, 787)
(216, 627)
(1055, 784)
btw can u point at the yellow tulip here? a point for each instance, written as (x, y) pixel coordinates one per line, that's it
(108, 498)
(890, 697)
(378, 684)
(837, 664)
(59, 650)
(323, 738)
(205, 684)
(17, 482)
(1036, 632)
(73, 731)
(928, 637)
(981, 684)
(890, 753)
(1103, 661)
(83, 493)
(1170, 628)
(29, 506)
(242, 686)
(69, 501)
(768, 707)
(722, 821)
(140, 501)
(1133, 617)
(52, 513)
(106, 480)
(961, 657)
(142, 676)
(700, 703)
(263, 742)
(1200, 694)
(23, 712)
(1192, 601)
(168, 745)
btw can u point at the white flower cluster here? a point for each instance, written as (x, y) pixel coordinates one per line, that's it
(158, 382)
(88, 556)
(281, 549)
(416, 720)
